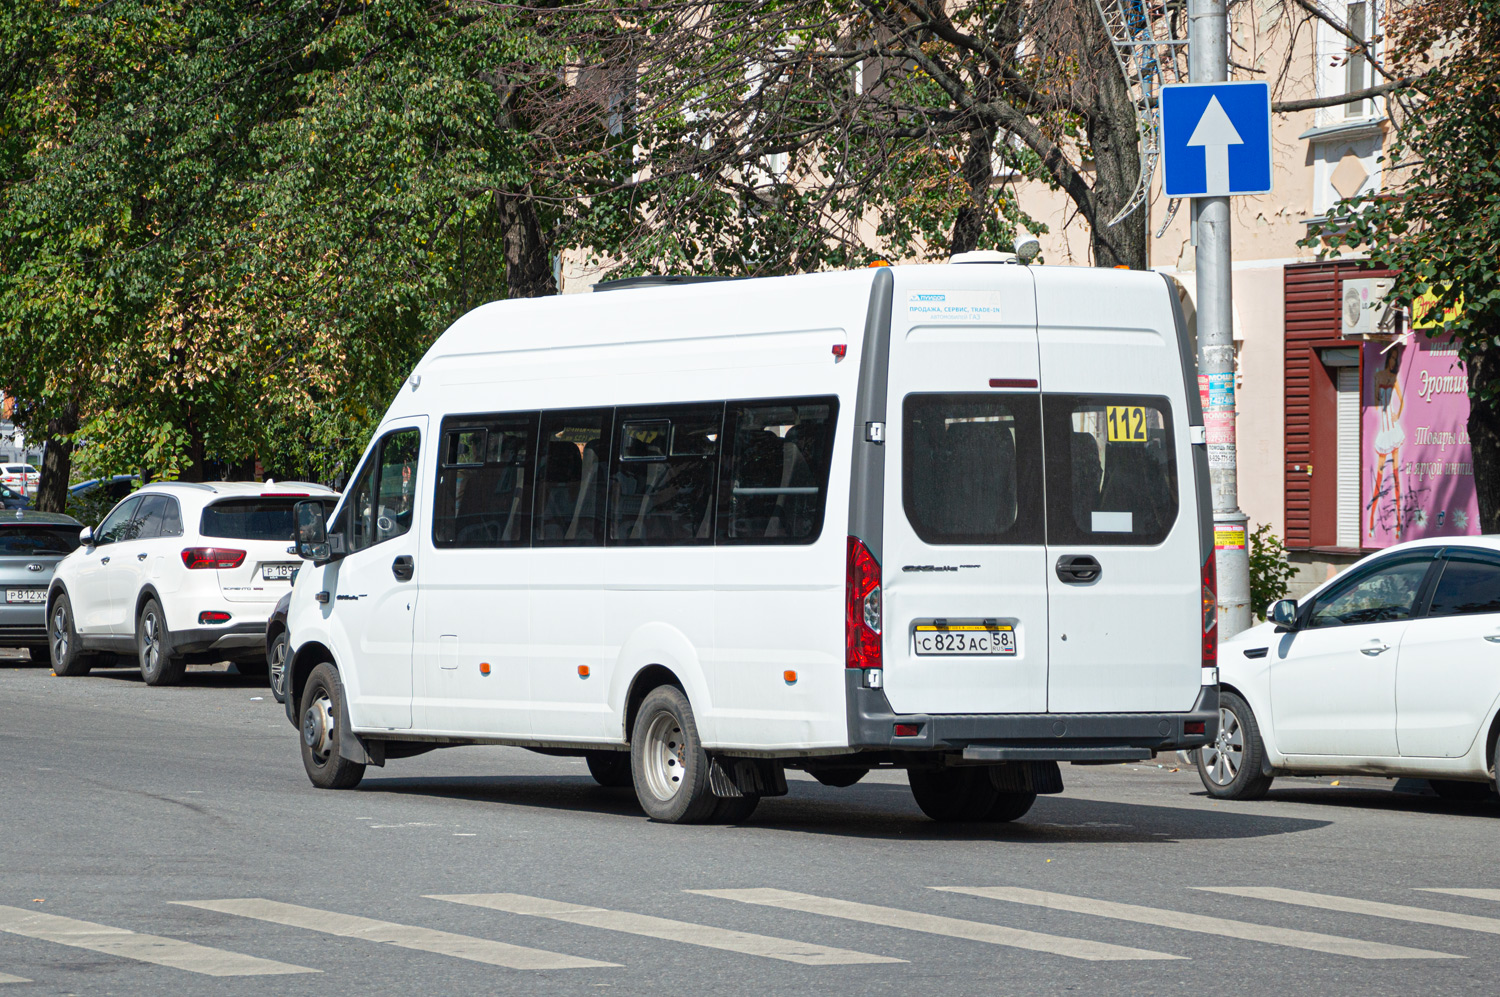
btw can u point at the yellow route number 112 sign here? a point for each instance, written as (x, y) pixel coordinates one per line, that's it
(1127, 423)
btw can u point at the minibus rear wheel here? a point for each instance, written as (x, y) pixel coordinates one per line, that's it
(610, 769)
(953, 795)
(667, 761)
(322, 705)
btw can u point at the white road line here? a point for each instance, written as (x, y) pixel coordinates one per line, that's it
(7, 978)
(1348, 905)
(784, 949)
(142, 948)
(935, 924)
(402, 935)
(1476, 894)
(1311, 940)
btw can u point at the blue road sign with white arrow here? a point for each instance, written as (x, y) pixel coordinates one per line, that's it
(1216, 139)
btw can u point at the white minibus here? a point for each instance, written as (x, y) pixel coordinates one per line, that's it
(951, 519)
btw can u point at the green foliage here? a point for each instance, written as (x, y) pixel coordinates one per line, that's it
(1438, 222)
(1269, 570)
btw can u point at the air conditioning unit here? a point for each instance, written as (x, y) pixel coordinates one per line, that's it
(1368, 312)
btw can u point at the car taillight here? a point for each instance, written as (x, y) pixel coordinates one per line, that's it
(1210, 613)
(212, 557)
(861, 608)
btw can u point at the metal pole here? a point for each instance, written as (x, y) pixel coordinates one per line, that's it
(1208, 62)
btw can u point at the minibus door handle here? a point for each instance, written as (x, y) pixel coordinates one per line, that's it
(403, 568)
(1078, 569)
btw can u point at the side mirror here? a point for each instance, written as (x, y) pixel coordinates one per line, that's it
(312, 532)
(86, 536)
(1284, 614)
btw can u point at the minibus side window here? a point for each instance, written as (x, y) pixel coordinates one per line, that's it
(662, 490)
(382, 500)
(484, 480)
(776, 463)
(970, 468)
(1111, 469)
(572, 474)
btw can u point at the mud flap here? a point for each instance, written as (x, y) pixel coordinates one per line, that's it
(1042, 778)
(730, 778)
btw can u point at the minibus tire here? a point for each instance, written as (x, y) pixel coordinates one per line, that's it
(735, 810)
(160, 665)
(953, 795)
(839, 778)
(1010, 806)
(665, 740)
(322, 705)
(1248, 781)
(68, 659)
(610, 769)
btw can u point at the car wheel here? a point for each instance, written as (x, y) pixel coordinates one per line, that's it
(952, 795)
(160, 664)
(1469, 792)
(322, 705)
(667, 762)
(276, 666)
(255, 666)
(68, 658)
(610, 769)
(1232, 767)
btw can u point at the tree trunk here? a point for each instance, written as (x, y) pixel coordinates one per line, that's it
(194, 471)
(528, 260)
(1484, 435)
(57, 460)
(968, 226)
(1116, 149)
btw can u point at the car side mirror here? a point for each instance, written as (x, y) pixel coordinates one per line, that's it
(86, 536)
(312, 532)
(1284, 614)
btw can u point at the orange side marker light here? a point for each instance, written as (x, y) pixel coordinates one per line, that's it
(484, 668)
(583, 671)
(790, 677)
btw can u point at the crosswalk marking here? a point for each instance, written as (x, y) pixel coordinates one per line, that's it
(1311, 940)
(402, 935)
(134, 945)
(1348, 905)
(784, 949)
(1458, 891)
(7, 978)
(935, 924)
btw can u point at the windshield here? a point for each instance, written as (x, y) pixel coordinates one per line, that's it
(252, 519)
(29, 541)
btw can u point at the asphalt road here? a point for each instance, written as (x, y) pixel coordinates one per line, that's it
(174, 845)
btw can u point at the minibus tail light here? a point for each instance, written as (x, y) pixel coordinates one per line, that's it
(862, 608)
(1210, 613)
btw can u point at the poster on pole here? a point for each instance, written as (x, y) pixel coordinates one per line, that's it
(1417, 467)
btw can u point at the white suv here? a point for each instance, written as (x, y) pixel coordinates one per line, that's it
(178, 573)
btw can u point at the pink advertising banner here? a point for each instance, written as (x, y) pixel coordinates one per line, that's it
(1418, 469)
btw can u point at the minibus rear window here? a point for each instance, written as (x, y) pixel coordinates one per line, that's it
(1111, 470)
(484, 481)
(970, 468)
(662, 489)
(775, 476)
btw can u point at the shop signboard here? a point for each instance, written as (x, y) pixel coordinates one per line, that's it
(1417, 465)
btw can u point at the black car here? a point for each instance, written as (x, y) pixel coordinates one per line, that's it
(276, 647)
(31, 544)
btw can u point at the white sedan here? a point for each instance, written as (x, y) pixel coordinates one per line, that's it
(1391, 668)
